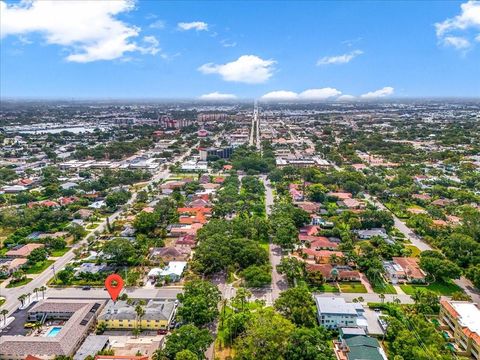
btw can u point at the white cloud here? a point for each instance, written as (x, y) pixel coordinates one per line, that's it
(88, 29)
(194, 25)
(319, 94)
(248, 69)
(339, 59)
(469, 18)
(309, 94)
(477, 38)
(457, 42)
(158, 24)
(280, 95)
(380, 93)
(346, 98)
(218, 96)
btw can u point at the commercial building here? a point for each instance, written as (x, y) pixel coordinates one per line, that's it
(461, 320)
(222, 153)
(122, 315)
(334, 312)
(73, 320)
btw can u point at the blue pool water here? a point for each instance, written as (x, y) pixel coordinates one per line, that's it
(54, 331)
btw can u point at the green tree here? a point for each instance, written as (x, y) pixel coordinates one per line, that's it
(257, 276)
(266, 338)
(199, 302)
(292, 268)
(119, 251)
(187, 337)
(439, 268)
(310, 344)
(186, 355)
(297, 305)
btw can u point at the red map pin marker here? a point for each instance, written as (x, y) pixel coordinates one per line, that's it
(114, 285)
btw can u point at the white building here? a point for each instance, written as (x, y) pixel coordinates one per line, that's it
(334, 312)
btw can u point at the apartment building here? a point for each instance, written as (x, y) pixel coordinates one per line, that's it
(461, 319)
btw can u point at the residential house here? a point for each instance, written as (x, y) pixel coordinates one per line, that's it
(173, 271)
(334, 273)
(404, 269)
(320, 256)
(168, 253)
(352, 345)
(22, 251)
(334, 313)
(9, 266)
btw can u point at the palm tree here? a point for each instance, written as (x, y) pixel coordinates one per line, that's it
(22, 298)
(35, 291)
(382, 297)
(397, 301)
(140, 312)
(28, 295)
(360, 299)
(43, 289)
(4, 313)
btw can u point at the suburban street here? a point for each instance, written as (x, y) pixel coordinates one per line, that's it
(417, 241)
(11, 295)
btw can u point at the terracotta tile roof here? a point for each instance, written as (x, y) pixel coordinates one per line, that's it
(25, 250)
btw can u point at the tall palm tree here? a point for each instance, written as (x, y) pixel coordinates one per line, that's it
(43, 289)
(28, 295)
(22, 298)
(140, 313)
(4, 313)
(35, 291)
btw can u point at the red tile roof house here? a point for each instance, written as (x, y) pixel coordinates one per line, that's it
(309, 230)
(320, 256)
(308, 206)
(352, 204)
(404, 269)
(46, 203)
(23, 251)
(296, 194)
(317, 242)
(331, 273)
(340, 195)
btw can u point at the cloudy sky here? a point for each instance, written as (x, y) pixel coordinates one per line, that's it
(227, 50)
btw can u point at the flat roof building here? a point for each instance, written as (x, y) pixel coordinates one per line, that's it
(79, 315)
(462, 320)
(334, 312)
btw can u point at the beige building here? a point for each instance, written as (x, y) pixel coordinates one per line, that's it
(461, 319)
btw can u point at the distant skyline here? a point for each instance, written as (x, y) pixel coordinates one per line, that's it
(270, 50)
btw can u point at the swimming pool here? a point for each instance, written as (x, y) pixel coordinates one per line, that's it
(54, 331)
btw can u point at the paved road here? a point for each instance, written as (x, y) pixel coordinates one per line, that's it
(279, 282)
(373, 297)
(12, 294)
(100, 293)
(416, 240)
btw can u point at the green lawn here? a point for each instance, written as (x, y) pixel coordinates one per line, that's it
(326, 288)
(20, 283)
(58, 253)
(439, 288)
(39, 267)
(2, 301)
(352, 287)
(415, 251)
(385, 289)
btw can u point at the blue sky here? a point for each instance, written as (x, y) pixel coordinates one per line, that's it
(276, 49)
